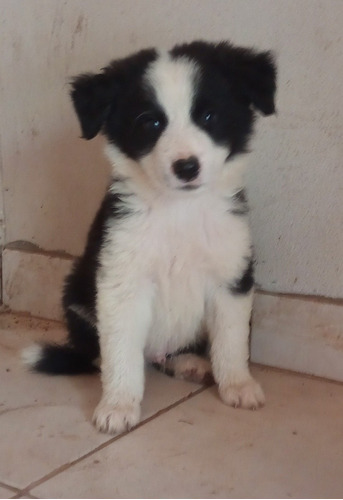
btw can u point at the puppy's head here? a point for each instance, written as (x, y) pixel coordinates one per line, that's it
(180, 117)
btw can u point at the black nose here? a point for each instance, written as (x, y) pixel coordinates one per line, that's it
(186, 170)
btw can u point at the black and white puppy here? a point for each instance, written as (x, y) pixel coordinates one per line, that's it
(168, 265)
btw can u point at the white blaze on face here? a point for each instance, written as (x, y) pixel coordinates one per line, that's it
(174, 82)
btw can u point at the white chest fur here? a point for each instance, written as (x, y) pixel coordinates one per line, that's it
(175, 253)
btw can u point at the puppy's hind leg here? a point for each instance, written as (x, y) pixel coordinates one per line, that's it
(191, 364)
(190, 367)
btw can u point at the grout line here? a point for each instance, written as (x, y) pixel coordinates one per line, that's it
(287, 371)
(8, 487)
(21, 494)
(303, 297)
(31, 248)
(7, 311)
(64, 467)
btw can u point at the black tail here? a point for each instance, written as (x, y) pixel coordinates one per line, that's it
(57, 359)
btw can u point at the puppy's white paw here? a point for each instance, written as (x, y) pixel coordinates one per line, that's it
(248, 394)
(113, 419)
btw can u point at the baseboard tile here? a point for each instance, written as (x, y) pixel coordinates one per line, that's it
(303, 334)
(33, 282)
(298, 333)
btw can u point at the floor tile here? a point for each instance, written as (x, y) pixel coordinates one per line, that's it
(201, 448)
(45, 421)
(6, 493)
(28, 496)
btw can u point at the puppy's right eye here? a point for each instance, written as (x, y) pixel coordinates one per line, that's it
(148, 122)
(208, 118)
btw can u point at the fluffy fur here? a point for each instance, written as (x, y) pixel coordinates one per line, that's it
(167, 272)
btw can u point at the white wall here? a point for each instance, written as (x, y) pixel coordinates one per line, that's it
(2, 217)
(2, 228)
(2, 222)
(53, 181)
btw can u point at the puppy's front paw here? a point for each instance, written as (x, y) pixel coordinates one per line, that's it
(113, 419)
(248, 394)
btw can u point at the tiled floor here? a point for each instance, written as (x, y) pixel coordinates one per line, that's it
(188, 445)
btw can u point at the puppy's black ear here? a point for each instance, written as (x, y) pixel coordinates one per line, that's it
(92, 96)
(254, 77)
(251, 74)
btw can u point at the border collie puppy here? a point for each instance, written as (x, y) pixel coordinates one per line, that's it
(167, 272)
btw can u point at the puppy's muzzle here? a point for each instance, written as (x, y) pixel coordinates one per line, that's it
(186, 169)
